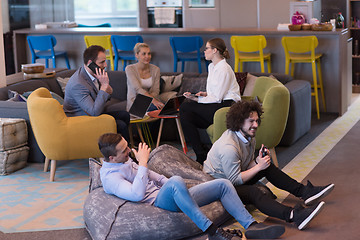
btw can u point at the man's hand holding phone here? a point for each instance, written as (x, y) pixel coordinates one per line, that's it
(102, 76)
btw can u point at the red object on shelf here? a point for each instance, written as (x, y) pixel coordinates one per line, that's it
(297, 18)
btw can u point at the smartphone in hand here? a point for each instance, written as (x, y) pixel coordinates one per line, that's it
(93, 66)
(264, 151)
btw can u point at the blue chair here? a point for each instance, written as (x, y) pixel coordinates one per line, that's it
(100, 25)
(123, 48)
(43, 47)
(187, 49)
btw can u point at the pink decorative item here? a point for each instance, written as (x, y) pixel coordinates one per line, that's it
(297, 19)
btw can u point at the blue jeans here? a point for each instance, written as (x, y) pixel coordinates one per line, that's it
(174, 196)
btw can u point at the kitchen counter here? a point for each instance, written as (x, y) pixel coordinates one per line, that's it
(335, 46)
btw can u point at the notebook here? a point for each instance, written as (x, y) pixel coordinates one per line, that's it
(139, 107)
(171, 107)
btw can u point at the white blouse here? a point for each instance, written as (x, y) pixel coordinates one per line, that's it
(221, 84)
(146, 83)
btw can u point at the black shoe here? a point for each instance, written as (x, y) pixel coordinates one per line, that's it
(262, 231)
(302, 216)
(314, 194)
(220, 234)
(235, 232)
(200, 158)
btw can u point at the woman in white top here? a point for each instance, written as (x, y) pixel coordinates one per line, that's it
(222, 90)
(143, 77)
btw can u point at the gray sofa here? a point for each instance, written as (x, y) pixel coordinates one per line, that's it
(298, 122)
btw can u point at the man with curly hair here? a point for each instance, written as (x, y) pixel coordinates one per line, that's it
(232, 157)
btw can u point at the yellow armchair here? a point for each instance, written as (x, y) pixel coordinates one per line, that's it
(64, 138)
(275, 99)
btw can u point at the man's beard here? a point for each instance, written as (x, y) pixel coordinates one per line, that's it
(246, 134)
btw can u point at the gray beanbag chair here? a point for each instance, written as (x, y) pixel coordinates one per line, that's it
(109, 217)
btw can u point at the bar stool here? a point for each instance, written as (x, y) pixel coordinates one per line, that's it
(187, 49)
(250, 49)
(155, 114)
(43, 47)
(105, 42)
(123, 48)
(297, 51)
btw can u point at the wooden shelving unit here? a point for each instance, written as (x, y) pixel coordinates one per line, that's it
(354, 12)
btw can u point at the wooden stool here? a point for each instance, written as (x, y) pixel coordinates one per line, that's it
(155, 114)
(296, 51)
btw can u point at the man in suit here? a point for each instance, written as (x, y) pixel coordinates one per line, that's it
(88, 90)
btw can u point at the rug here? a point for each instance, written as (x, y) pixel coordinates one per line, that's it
(29, 202)
(312, 155)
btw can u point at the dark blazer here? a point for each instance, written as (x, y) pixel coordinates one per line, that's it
(82, 97)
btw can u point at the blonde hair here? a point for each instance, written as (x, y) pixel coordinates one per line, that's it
(138, 47)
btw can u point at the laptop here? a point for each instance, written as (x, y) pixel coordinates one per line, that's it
(171, 107)
(139, 107)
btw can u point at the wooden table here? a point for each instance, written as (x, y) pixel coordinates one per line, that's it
(142, 124)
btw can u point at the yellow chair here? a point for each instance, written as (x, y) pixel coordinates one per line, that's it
(105, 42)
(302, 50)
(250, 49)
(64, 138)
(275, 99)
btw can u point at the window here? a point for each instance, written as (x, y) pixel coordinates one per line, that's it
(118, 13)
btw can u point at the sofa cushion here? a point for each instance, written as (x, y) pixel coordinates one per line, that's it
(193, 84)
(170, 83)
(241, 80)
(62, 82)
(15, 97)
(250, 84)
(54, 95)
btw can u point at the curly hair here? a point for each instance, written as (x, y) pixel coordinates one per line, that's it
(107, 144)
(240, 111)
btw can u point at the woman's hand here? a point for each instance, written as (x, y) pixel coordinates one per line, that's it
(201, 94)
(191, 96)
(158, 104)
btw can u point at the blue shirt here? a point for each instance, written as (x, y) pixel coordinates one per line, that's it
(131, 182)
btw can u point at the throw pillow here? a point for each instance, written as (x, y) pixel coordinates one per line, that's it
(54, 95)
(15, 97)
(241, 80)
(170, 83)
(193, 85)
(250, 84)
(62, 82)
(94, 174)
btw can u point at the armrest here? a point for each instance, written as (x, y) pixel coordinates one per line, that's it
(10, 109)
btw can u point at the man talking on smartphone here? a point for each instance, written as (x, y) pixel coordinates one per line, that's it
(88, 90)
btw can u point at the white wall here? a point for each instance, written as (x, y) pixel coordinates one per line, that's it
(238, 14)
(2, 55)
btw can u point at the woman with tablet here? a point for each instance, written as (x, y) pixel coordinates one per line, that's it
(222, 90)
